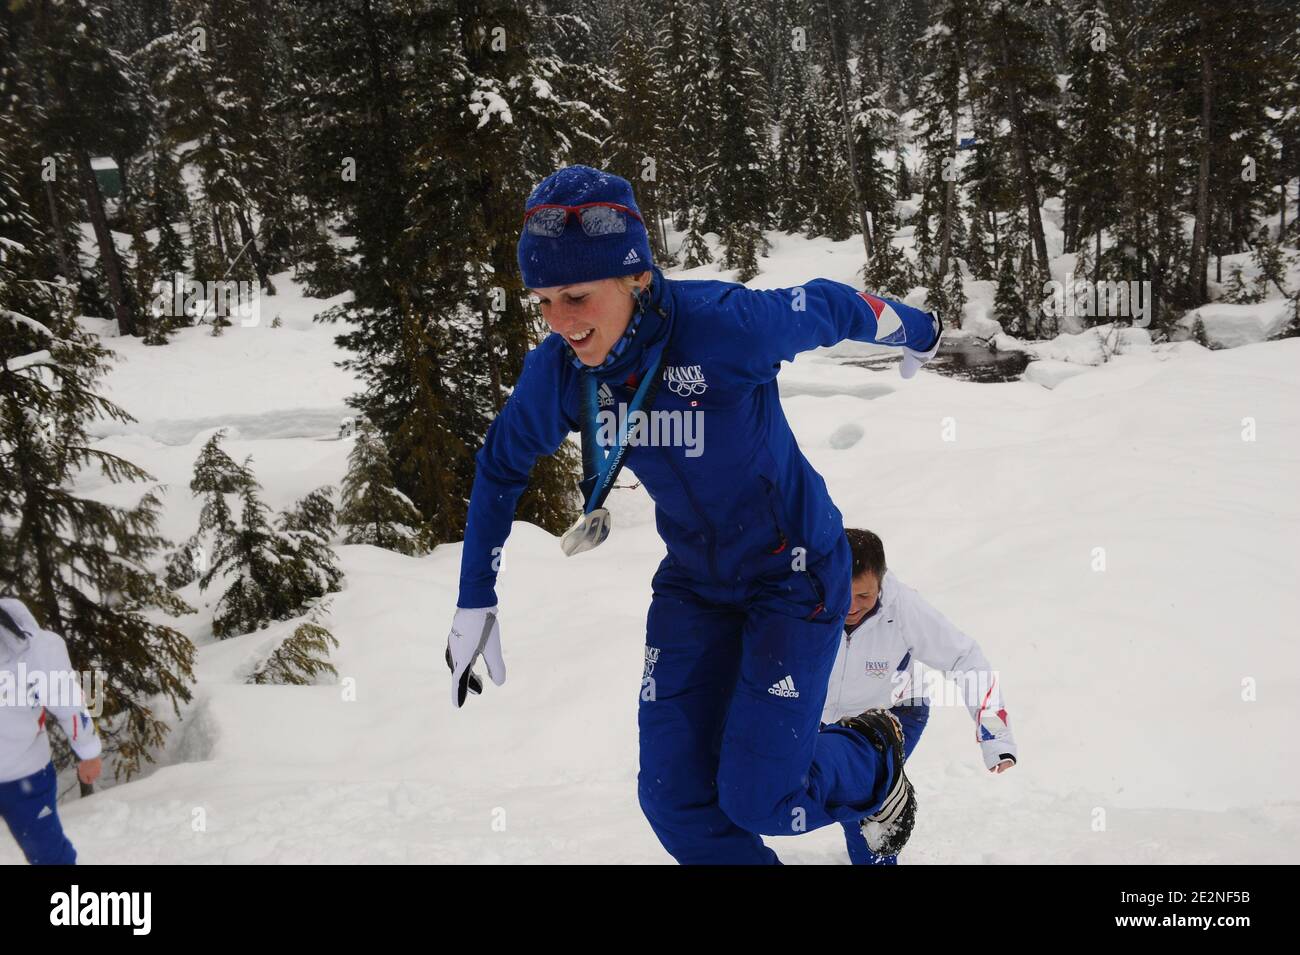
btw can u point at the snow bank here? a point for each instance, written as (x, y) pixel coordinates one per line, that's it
(1230, 326)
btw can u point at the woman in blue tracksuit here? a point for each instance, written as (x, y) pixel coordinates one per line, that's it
(749, 602)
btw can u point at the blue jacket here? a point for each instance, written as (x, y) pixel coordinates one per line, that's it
(737, 510)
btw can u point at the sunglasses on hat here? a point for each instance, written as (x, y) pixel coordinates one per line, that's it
(596, 218)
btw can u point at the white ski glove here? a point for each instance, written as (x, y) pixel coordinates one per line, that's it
(996, 741)
(474, 632)
(913, 360)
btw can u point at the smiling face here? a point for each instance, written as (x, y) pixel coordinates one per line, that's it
(592, 316)
(866, 591)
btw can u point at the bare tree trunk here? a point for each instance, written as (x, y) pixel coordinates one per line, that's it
(104, 238)
(867, 244)
(1096, 266)
(489, 341)
(950, 186)
(250, 240)
(218, 239)
(1201, 230)
(1020, 138)
(1281, 229)
(61, 250)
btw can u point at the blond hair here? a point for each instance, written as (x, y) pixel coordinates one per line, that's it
(631, 283)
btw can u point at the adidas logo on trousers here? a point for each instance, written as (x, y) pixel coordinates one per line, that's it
(784, 688)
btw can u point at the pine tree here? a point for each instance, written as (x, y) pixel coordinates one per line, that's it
(301, 658)
(277, 570)
(976, 247)
(310, 568)
(145, 272)
(790, 211)
(695, 249)
(1270, 267)
(450, 143)
(212, 90)
(1199, 335)
(700, 116)
(1237, 291)
(30, 168)
(936, 296)
(740, 177)
(890, 271)
(945, 44)
(216, 475)
(184, 564)
(672, 52)
(374, 511)
(638, 140)
(254, 556)
(1031, 279)
(1023, 94)
(80, 564)
(89, 99)
(874, 127)
(158, 194)
(954, 293)
(1092, 120)
(1292, 329)
(858, 111)
(1222, 71)
(902, 178)
(1008, 307)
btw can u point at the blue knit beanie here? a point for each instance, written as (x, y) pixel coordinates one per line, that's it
(575, 256)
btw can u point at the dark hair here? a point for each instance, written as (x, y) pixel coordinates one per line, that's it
(11, 625)
(868, 552)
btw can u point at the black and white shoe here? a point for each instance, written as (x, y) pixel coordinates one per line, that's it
(887, 829)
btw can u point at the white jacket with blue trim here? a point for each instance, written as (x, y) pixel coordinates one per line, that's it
(876, 666)
(36, 678)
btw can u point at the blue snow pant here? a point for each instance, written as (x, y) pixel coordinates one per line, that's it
(912, 714)
(30, 809)
(732, 744)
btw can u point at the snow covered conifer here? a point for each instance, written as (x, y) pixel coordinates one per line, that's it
(216, 475)
(183, 564)
(274, 571)
(695, 249)
(373, 510)
(977, 253)
(890, 271)
(954, 294)
(1236, 290)
(300, 658)
(310, 569)
(743, 161)
(252, 554)
(1008, 308)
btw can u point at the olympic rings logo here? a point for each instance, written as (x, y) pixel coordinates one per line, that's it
(685, 388)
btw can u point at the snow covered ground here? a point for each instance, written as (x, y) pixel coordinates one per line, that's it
(1125, 685)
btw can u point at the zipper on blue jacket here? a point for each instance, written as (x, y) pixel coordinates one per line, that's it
(712, 533)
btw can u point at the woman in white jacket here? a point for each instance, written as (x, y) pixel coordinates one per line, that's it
(36, 679)
(890, 629)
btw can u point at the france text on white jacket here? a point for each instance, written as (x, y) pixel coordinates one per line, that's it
(36, 680)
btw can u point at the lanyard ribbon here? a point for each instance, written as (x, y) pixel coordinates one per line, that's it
(600, 466)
